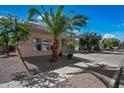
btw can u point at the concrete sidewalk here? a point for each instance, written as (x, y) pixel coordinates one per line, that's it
(122, 81)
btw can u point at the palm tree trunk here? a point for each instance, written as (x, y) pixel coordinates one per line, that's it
(21, 57)
(55, 49)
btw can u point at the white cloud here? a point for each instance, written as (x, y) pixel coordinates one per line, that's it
(1, 16)
(39, 18)
(109, 36)
(76, 31)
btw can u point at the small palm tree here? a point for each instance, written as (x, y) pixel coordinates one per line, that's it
(73, 23)
(71, 46)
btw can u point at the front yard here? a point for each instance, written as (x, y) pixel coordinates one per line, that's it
(84, 70)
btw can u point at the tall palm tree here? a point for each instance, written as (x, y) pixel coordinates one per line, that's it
(5, 27)
(56, 22)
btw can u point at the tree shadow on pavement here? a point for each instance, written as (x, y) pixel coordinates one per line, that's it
(35, 78)
(102, 72)
(43, 76)
(43, 62)
(122, 79)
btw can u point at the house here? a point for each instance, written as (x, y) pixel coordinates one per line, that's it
(39, 41)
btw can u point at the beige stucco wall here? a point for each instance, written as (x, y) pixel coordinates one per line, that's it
(27, 46)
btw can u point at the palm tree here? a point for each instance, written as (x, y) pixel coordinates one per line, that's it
(56, 23)
(19, 33)
(6, 27)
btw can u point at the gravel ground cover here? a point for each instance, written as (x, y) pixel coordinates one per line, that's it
(10, 67)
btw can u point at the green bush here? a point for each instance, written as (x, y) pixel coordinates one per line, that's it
(71, 46)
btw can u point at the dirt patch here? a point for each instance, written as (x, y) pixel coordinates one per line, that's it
(84, 80)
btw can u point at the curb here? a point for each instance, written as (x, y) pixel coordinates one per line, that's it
(116, 78)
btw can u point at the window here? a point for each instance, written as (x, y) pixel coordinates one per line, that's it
(45, 45)
(41, 44)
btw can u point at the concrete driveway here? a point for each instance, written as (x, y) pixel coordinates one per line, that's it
(108, 58)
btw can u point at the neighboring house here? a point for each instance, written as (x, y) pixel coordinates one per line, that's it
(77, 45)
(73, 36)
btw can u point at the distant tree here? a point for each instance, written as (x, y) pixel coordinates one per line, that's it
(90, 39)
(121, 45)
(116, 42)
(5, 29)
(111, 42)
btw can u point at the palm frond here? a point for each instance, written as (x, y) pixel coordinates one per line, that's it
(59, 11)
(32, 12)
(79, 20)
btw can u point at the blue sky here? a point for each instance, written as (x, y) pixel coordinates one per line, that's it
(105, 19)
